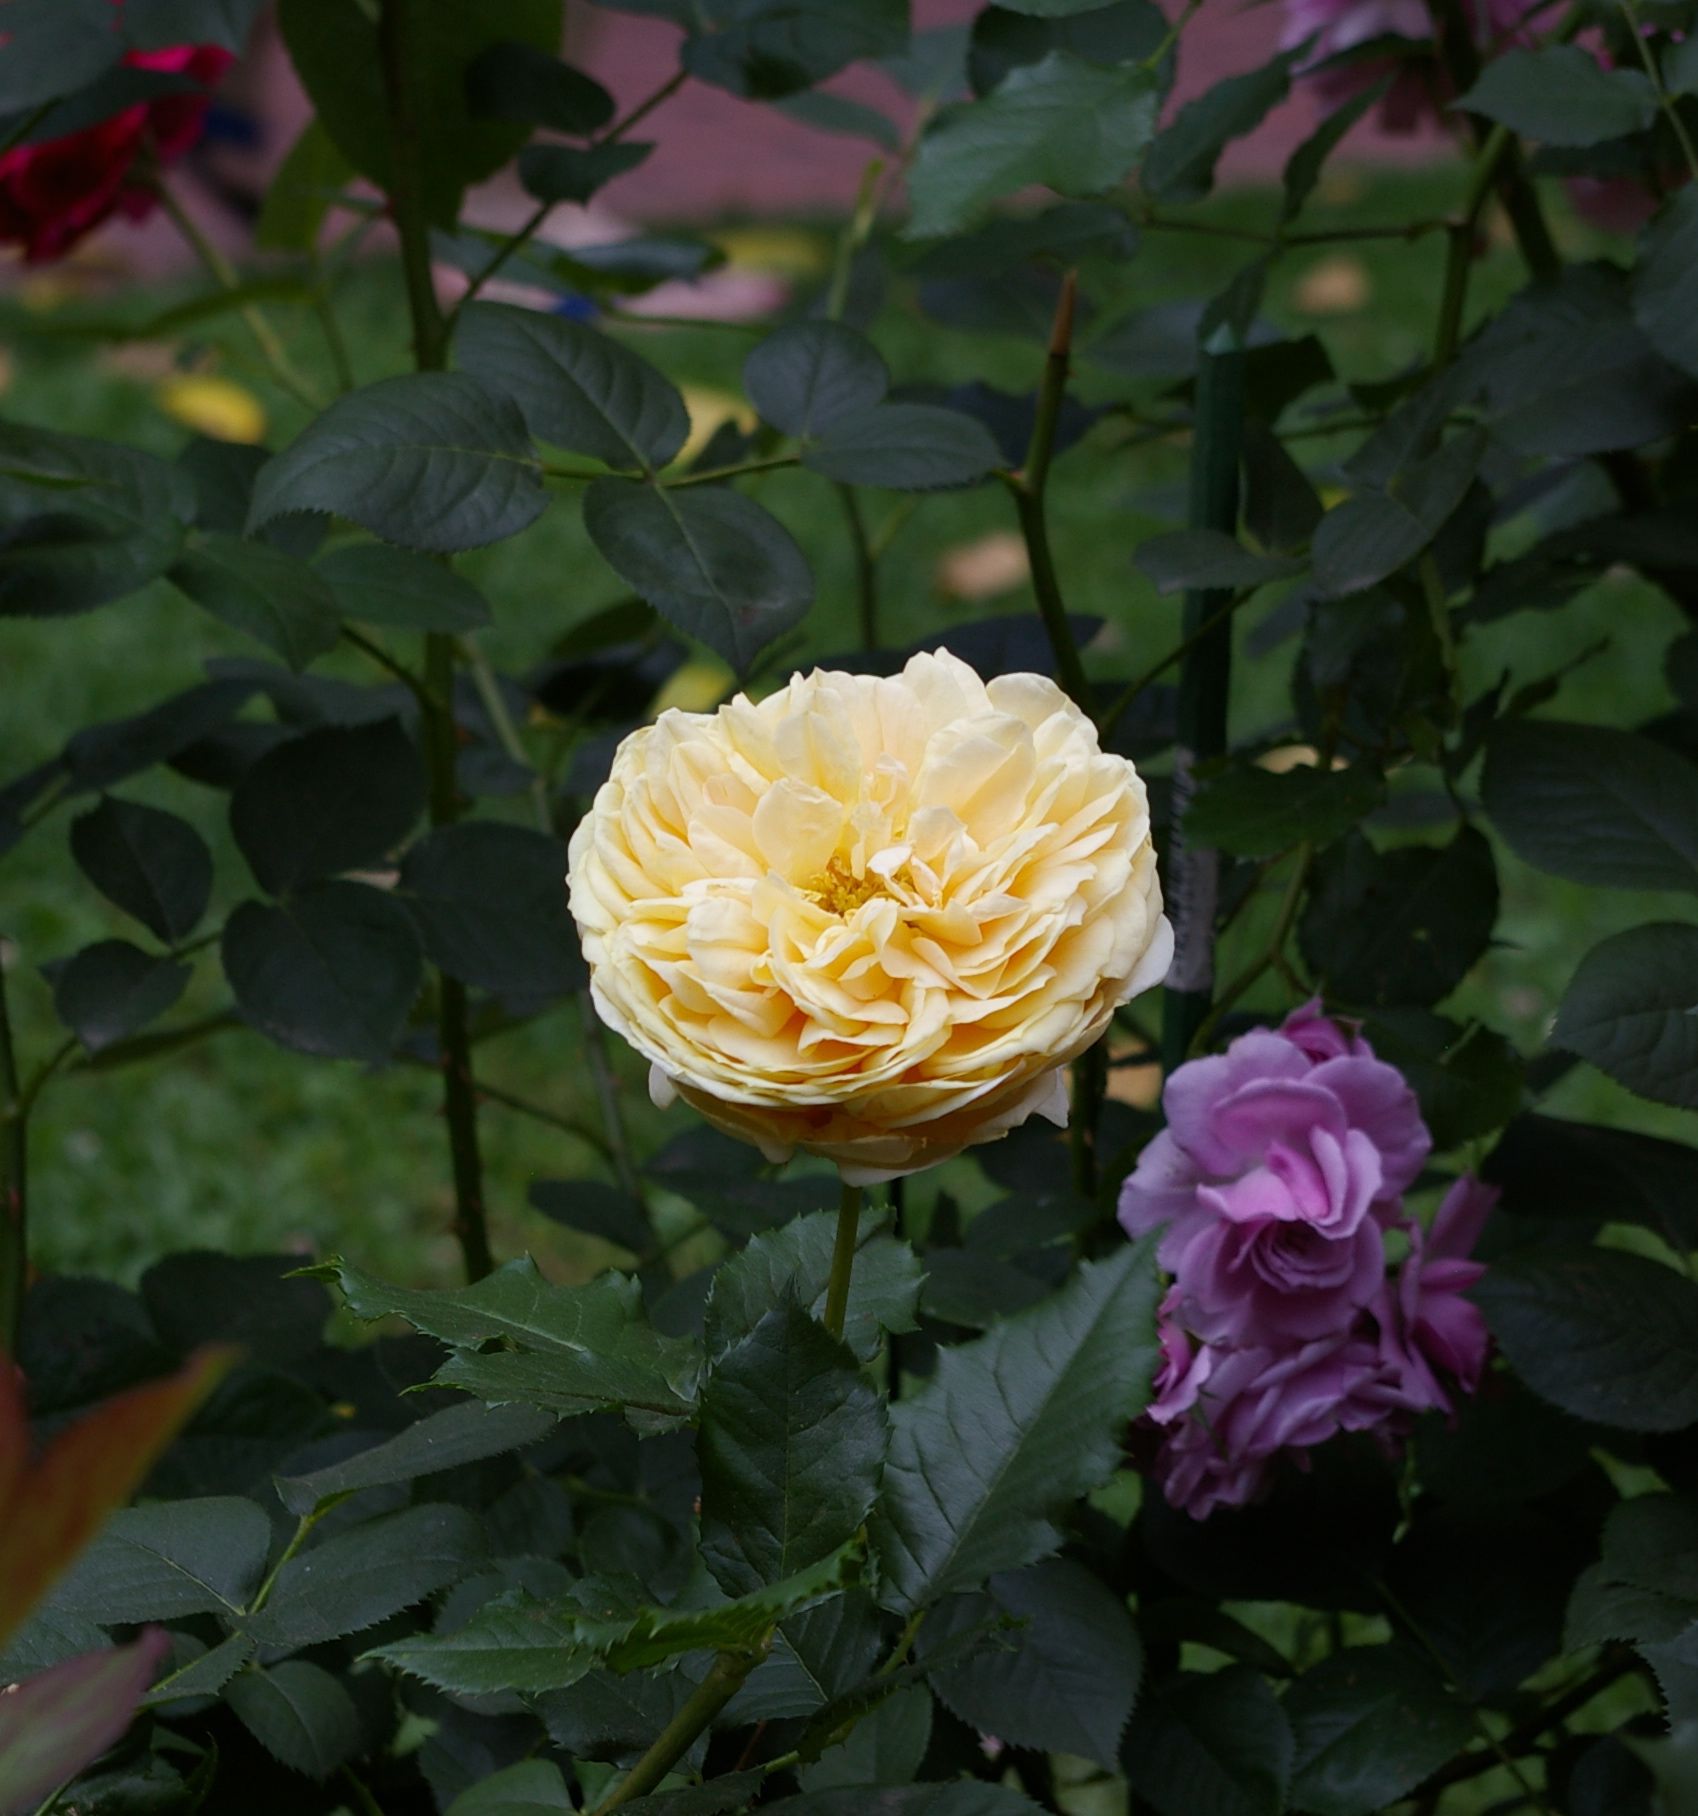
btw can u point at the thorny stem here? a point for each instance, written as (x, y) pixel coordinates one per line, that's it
(866, 568)
(1665, 100)
(842, 1259)
(1270, 956)
(430, 346)
(853, 238)
(722, 1682)
(14, 1185)
(1028, 487)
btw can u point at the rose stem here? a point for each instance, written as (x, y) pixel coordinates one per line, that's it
(842, 1259)
(14, 1227)
(722, 1682)
(1205, 684)
(430, 347)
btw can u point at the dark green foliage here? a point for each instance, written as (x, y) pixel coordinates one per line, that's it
(484, 1549)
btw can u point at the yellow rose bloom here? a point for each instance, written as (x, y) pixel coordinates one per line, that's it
(869, 918)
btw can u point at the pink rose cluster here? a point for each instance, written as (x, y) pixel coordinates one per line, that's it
(55, 192)
(1277, 1179)
(1418, 88)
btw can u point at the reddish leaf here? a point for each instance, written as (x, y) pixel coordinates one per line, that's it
(53, 1725)
(51, 1508)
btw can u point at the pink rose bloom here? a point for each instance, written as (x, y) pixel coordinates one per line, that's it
(1280, 1162)
(1429, 1333)
(1260, 1403)
(54, 193)
(1419, 88)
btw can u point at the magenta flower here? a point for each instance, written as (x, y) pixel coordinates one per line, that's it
(1283, 1165)
(1280, 1162)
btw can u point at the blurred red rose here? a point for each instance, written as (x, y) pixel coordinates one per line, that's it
(55, 192)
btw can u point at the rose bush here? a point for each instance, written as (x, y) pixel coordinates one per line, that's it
(1309, 1425)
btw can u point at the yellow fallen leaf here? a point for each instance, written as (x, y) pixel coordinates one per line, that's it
(990, 564)
(709, 411)
(1339, 285)
(213, 406)
(786, 251)
(694, 687)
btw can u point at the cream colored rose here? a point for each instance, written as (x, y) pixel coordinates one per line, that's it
(869, 918)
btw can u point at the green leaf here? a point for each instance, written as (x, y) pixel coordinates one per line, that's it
(1552, 1168)
(445, 1440)
(730, 1791)
(334, 799)
(531, 1788)
(1209, 560)
(1469, 1080)
(816, 1655)
(1370, 1724)
(1632, 1010)
(794, 1261)
(110, 989)
(1253, 812)
(432, 461)
(153, 865)
(1010, 1428)
(520, 1643)
(1358, 543)
(300, 1714)
(886, 1747)
(566, 173)
(1127, 31)
(837, 113)
(1400, 926)
(1181, 163)
(803, 377)
(770, 48)
(522, 82)
(366, 1574)
(1568, 371)
(333, 971)
(162, 1562)
(274, 597)
(596, 1208)
(1643, 1589)
(1605, 1335)
(1663, 280)
(1073, 125)
(1562, 95)
(578, 388)
(490, 904)
(791, 1447)
(709, 560)
(579, 1346)
(1064, 1681)
(204, 1675)
(83, 522)
(907, 447)
(1218, 1745)
(376, 584)
(300, 195)
(338, 56)
(1303, 168)
(962, 1798)
(1594, 804)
